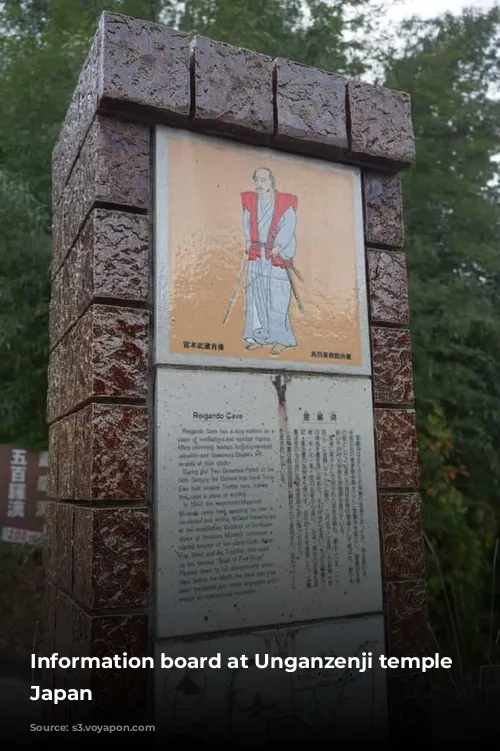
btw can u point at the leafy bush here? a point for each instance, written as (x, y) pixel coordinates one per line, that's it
(460, 541)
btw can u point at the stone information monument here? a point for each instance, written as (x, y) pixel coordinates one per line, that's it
(232, 460)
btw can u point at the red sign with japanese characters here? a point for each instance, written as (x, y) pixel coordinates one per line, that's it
(23, 488)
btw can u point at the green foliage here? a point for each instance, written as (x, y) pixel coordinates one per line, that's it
(459, 534)
(263, 25)
(24, 296)
(43, 44)
(451, 67)
(313, 32)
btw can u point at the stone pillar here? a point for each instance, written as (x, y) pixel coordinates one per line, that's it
(103, 454)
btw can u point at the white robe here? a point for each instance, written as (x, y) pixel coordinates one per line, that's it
(268, 290)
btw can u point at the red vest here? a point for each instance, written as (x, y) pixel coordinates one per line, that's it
(282, 202)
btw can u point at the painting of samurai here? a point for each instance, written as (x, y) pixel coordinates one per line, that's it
(269, 222)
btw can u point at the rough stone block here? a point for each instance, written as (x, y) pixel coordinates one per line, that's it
(57, 302)
(53, 470)
(47, 641)
(145, 65)
(66, 457)
(119, 353)
(50, 542)
(233, 89)
(110, 260)
(103, 454)
(105, 354)
(64, 645)
(111, 453)
(407, 612)
(388, 286)
(111, 557)
(65, 630)
(58, 548)
(55, 377)
(401, 535)
(113, 167)
(310, 107)
(396, 445)
(117, 694)
(132, 65)
(383, 210)
(64, 546)
(77, 121)
(392, 366)
(46, 645)
(381, 124)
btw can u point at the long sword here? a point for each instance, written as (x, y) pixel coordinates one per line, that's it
(236, 290)
(295, 270)
(295, 293)
(289, 270)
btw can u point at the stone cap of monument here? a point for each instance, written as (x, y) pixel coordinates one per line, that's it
(153, 74)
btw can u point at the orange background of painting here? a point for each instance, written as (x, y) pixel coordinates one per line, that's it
(205, 183)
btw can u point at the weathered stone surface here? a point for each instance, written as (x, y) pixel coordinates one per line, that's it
(110, 260)
(66, 624)
(57, 239)
(110, 453)
(401, 535)
(50, 542)
(105, 354)
(381, 124)
(117, 694)
(383, 210)
(146, 65)
(233, 89)
(310, 106)
(392, 366)
(58, 548)
(47, 641)
(77, 121)
(388, 286)
(103, 454)
(82, 451)
(64, 546)
(396, 445)
(120, 453)
(132, 64)
(111, 557)
(57, 306)
(66, 468)
(53, 470)
(407, 613)
(46, 646)
(55, 377)
(120, 352)
(113, 167)
(64, 645)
